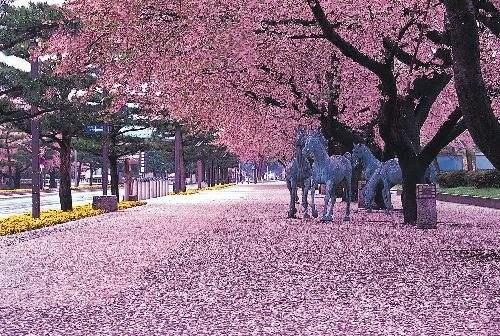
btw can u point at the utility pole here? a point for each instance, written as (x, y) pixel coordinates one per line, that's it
(35, 149)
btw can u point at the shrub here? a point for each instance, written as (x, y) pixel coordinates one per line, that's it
(484, 179)
(452, 179)
(478, 179)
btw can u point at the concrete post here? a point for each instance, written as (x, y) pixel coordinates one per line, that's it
(134, 189)
(426, 206)
(139, 190)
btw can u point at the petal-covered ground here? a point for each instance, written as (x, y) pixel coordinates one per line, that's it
(228, 263)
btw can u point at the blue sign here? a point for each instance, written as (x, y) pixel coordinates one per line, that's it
(94, 129)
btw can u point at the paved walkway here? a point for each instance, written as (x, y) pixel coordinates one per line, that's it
(228, 263)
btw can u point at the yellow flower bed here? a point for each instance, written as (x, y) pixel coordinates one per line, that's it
(14, 191)
(129, 204)
(195, 191)
(24, 222)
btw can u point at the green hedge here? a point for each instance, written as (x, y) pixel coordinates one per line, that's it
(478, 179)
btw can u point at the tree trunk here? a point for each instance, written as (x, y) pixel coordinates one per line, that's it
(211, 177)
(470, 158)
(255, 173)
(78, 174)
(412, 174)
(52, 180)
(469, 83)
(17, 179)
(91, 182)
(113, 167)
(65, 173)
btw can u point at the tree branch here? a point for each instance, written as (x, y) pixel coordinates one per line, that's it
(345, 47)
(449, 131)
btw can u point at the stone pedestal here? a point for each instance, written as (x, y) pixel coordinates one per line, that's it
(426, 206)
(106, 203)
(361, 199)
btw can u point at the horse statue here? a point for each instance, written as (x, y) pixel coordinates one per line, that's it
(388, 172)
(329, 171)
(298, 174)
(362, 154)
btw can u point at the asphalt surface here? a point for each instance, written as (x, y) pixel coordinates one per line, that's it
(18, 204)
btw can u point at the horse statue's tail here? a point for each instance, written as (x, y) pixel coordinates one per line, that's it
(371, 187)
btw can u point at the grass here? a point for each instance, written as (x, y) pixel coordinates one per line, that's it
(472, 191)
(20, 223)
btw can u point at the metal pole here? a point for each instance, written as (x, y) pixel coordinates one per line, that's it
(105, 159)
(35, 150)
(177, 160)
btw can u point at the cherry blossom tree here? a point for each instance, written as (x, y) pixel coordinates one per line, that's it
(257, 70)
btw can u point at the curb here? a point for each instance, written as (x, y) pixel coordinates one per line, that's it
(484, 202)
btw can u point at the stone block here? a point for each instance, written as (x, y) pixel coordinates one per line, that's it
(106, 203)
(426, 206)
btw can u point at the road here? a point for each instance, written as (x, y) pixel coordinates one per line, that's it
(228, 262)
(22, 203)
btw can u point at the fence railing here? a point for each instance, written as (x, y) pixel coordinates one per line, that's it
(143, 189)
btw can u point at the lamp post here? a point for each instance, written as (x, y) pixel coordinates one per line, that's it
(35, 148)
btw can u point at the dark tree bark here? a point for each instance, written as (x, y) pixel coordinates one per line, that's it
(91, 168)
(52, 180)
(113, 167)
(65, 173)
(470, 158)
(78, 174)
(17, 179)
(469, 83)
(255, 173)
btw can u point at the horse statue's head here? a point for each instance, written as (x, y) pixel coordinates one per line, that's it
(357, 153)
(314, 142)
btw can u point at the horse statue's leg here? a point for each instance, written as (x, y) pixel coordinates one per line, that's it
(367, 199)
(292, 188)
(313, 187)
(387, 195)
(329, 202)
(348, 197)
(305, 191)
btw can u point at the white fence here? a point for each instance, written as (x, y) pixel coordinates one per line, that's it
(144, 189)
